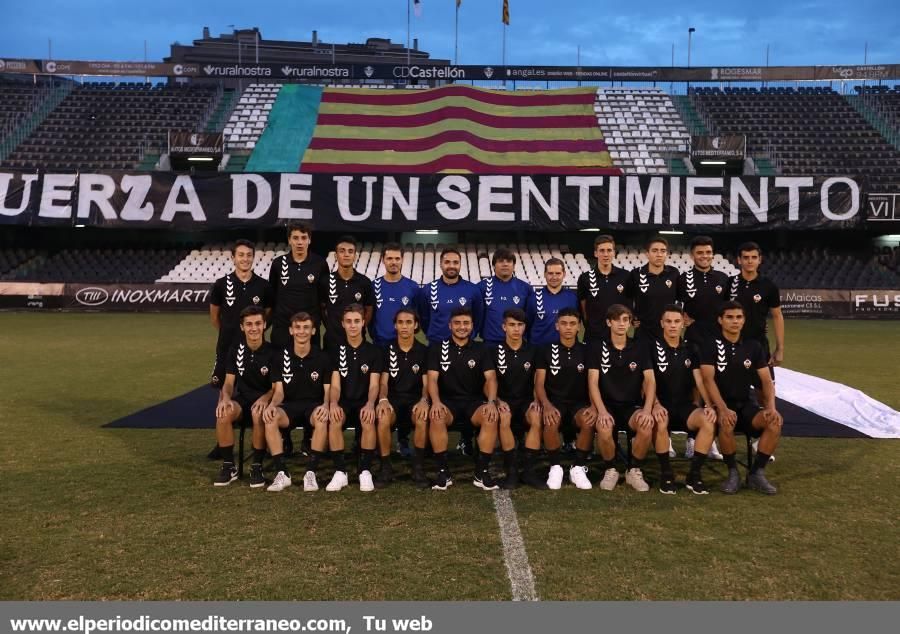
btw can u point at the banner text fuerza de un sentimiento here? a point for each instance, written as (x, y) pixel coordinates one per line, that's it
(334, 202)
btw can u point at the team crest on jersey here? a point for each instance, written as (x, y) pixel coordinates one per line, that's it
(358, 296)
(310, 278)
(364, 368)
(404, 300)
(313, 376)
(516, 300)
(620, 288)
(632, 366)
(580, 367)
(415, 369)
(256, 299)
(687, 363)
(747, 363)
(264, 371)
(527, 365)
(668, 283)
(215, 380)
(471, 363)
(462, 301)
(718, 289)
(757, 298)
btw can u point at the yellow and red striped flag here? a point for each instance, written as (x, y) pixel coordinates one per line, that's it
(506, 12)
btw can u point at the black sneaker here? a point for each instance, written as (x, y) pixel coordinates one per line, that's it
(464, 447)
(214, 454)
(533, 480)
(420, 480)
(404, 449)
(696, 485)
(443, 481)
(385, 476)
(227, 474)
(667, 485)
(486, 481)
(256, 476)
(511, 481)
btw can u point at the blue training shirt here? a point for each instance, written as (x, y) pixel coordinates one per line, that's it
(499, 296)
(438, 298)
(542, 309)
(389, 298)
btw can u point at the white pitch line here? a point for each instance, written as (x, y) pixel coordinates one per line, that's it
(521, 580)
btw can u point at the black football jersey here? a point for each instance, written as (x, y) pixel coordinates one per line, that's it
(303, 378)
(736, 364)
(355, 366)
(599, 292)
(405, 371)
(621, 371)
(757, 296)
(674, 372)
(566, 377)
(298, 286)
(701, 293)
(340, 293)
(232, 296)
(460, 369)
(252, 369)
(651, 293)
(515, 372)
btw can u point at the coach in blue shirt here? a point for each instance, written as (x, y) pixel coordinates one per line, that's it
(392, 292)
(500, 293)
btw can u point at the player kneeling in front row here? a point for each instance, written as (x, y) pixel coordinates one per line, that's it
(403, 396)
(246, 392)
(679, 390)
(460, 376)
(354, 389)
(301, 378)
(731, 366)
(560, 388)
(623, 390)
(514, 366)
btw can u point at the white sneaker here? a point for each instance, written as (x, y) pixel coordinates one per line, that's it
(689, 448)
(578, 477)
(309, 481)
(338, 481)
(365, 481)
(756, 448)
(635, 478)
(554, 480)
(280, 483)
(671, 448)
(610, 480)
(714, 453)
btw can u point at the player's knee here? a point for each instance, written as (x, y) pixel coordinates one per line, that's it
(662, 427)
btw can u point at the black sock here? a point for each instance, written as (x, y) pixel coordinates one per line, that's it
(440, 459)
(697, 463)
(314, 458)
(531, 456)
(759, 464)
(278, 463)
(419, 458)
(665, 467)
(365, 459)
(581, 457)
(609, 464)
(730, 461)
(553, 456)
(338, 458)
(634, 462)
(258, 456)
(386, 465)
(483, 461)
(227, 453)
(509, 460)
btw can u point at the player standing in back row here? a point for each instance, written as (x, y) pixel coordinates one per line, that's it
(544, 304)
(500, 293)
(345, 286)
(651, 287)
(600, 288)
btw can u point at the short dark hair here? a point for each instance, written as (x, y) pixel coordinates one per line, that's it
(251, 311)
(347, 240)
(656, 239)
(461, 311)
(701, 241)
(503, 254)
(447, 250)
(568, 312)
(302, 316)
(515, 313)
(749, 246)
(302, 227)
(730, 305)
(617, 310)
(672, 308)
(353, 308)
(408, 311)
(391, 246)
(242, 243)
(555, 262)
(603, 238)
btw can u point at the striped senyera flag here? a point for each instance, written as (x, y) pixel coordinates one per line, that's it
(457, 129)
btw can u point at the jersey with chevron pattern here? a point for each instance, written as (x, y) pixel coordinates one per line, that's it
(621, 371)
(389, 298)
(438, 299)
(565, 379)
(541, 309)
(737, 366)
(499, 296)
(674, 372)
(252, 369)
(303, 378)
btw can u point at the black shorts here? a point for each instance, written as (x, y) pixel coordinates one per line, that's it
(462, 412)
(403, 410)
(299, 413)
(351, 413)
(246, 402)
(679, 414)
(567, 413)
(622, 413)
(745, 414)
(518, 409)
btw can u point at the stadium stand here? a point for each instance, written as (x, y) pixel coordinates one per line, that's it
(821, 268)
(23, 106)
(111, 126)
(250, 115)
(100, 266)
(642, 128)
(811, 131)
(12, 259)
